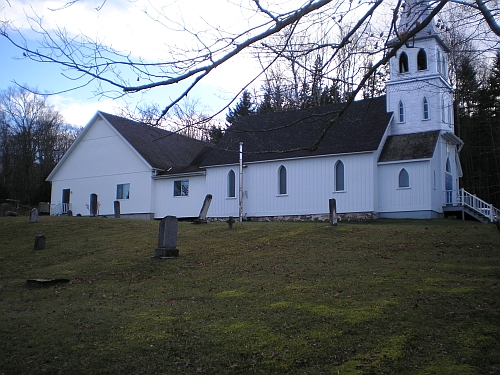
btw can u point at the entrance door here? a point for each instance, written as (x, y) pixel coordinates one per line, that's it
(65, 200)
(448, 183)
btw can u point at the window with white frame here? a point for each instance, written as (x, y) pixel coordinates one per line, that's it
(181, 188)
(426, 109)
(282, 180)
(123, 191)
(231, 184)
(339, 176)
(404, 179)
(401, 111)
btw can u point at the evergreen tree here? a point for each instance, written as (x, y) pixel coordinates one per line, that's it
(244, 107)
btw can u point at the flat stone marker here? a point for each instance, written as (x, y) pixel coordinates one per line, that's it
(202, 218)
(333, 211)
(167, 238)
(40, 242)
(34, 215)
(117, 209)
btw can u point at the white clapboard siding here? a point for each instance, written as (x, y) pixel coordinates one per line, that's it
(182, 207)
(310, 184)
(101, 161)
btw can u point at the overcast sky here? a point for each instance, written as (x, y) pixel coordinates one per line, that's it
(124, 25)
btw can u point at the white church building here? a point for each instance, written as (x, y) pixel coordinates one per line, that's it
(394, 156)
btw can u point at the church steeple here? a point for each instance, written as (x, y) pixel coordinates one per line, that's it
(418, 92)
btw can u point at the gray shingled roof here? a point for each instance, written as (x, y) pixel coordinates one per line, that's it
(162, 149)
(409, 146)
(272, 136)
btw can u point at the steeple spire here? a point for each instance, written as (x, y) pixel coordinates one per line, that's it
(413, 13)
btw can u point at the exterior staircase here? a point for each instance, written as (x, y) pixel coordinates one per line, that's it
(468, 203)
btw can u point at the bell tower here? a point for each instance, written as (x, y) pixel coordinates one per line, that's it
(418, 91)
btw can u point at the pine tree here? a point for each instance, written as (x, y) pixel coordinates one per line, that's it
(245, 107)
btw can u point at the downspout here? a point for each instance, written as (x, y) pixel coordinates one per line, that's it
(241, 182)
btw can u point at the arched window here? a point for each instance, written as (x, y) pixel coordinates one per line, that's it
(443, 110)
(403, 63)
(282, 180)
(404, 179)
(339, 176)
(422, 60)
(231, 184)
(448, 165)
(426, 109)
(401, 111)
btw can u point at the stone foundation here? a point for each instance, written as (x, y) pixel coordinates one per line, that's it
(352, 216)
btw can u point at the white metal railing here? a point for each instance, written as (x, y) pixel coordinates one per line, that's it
(60, 209)
(464, 198)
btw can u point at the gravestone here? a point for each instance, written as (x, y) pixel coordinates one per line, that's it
(167, 238)
(34, 215)
(333, 211)
(5, 208)
(117, 209)
(93, 204)
(40, 242)
(230, 222)
(202, 218)
(69, 213)
(497, 223)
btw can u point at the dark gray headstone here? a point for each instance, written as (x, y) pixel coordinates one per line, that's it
(40, 242)
(333, 211)
(117, 209)
(10, 213)
(230, 222)
(34, 215)
(70, 213)
(202, 218)
(4, 208)
(497, 223)
(93, 204)
(167, 238)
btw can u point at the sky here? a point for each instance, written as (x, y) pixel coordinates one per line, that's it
(126, 26)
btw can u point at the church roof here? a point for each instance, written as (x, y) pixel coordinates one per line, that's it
(162, 149)
(291, 134)
(409, 146)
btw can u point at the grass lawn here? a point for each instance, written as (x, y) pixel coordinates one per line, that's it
(384, 297)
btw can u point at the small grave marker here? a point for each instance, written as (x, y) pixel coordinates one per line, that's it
(230, 222)
(34, 215)
(333, 211)
(167, 238)
(93, 204)
(40, 242)
(202, 218)
(117, 209)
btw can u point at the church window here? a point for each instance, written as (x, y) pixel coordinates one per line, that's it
(181, 188)
(426, 109)
(404, 179)
(401, 112)
(403, 63)
(231, 184)
(443, 110)
(339, 176)
(422, 60)
(282, 180)
(123, 191)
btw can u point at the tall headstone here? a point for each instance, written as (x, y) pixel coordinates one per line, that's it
(202, 218)
(167, 238)
(39, 242)
(117, 209)
(34, 215)
(333, 211)
(93, 204)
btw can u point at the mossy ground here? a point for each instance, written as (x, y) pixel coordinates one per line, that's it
(385, 297)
